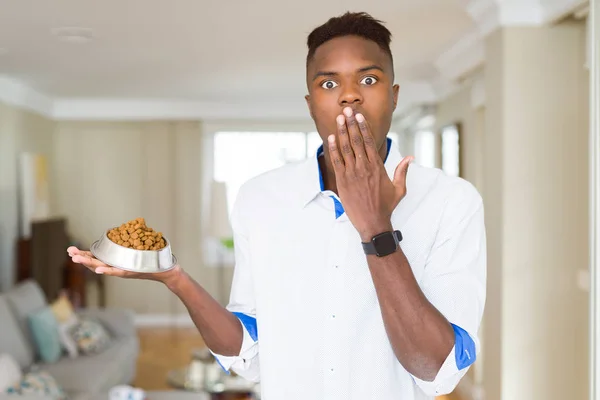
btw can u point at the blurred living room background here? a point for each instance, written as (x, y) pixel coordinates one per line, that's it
(110, 111)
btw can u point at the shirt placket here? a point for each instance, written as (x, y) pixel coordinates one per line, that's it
(335, 366)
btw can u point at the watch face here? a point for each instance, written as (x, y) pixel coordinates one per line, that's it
(385, 243)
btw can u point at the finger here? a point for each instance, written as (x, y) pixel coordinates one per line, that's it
(110, 271)
(344, 142)
(367, 138)
(334, 155)
(355, 136)
(401, 171)
(88, 261)
(72, 250)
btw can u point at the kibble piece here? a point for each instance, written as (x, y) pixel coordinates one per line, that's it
(136, 234)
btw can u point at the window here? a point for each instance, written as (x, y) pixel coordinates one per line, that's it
(451, 150)
(240, 156)
(425, 148)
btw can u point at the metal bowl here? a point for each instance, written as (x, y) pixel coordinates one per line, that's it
(144, 261)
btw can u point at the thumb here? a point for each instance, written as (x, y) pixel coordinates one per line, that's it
(400, 173)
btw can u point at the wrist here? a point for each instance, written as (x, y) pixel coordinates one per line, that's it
(173, 278)
(367, 234)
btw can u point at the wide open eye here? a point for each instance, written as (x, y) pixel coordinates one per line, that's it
(329, 85)
(368, 80)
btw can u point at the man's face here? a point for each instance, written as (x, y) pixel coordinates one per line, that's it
(351, 72)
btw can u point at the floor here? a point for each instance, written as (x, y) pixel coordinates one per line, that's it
(163, 349)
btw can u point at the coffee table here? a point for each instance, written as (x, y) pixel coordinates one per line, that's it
(164, 395)
(231, 388)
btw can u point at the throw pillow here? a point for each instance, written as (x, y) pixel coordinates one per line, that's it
(39, 383)
(67, 341)
(62, 308)
(91, 337)
(44, 331)
(10, 372)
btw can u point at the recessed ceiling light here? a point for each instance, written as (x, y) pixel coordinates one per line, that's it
(73, 34)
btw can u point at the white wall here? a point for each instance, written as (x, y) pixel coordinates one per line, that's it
(20, 131)
(536, 198)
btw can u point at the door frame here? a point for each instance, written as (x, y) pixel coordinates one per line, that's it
(594, 184)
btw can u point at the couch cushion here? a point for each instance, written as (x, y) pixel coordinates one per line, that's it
(38, 383)
(24, 299)
(44, 330)
(63, 309)
(67, 342)
(10, 372)
(90, 336)
(11, 336)
(98, 372)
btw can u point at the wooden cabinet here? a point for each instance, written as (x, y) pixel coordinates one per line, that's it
(43, 257)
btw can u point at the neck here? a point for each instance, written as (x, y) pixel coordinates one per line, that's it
(328, 173)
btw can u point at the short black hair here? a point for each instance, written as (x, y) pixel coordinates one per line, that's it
(350, 24)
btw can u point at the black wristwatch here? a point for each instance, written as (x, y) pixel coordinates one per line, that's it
(383, 244)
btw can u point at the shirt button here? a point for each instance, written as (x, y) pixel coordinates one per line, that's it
(333, 316)
(330, 369)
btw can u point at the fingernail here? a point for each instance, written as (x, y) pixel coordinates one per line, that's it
(340, 119)
(99, 271)
(360, 118)
(348, 111)
(331, 139)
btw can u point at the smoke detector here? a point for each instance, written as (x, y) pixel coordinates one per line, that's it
(73, 34)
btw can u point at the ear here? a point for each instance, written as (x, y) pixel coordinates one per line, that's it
(309, 104)
(395, 91)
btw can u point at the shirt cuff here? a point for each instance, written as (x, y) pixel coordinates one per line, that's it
(249, 346)
(462, 355)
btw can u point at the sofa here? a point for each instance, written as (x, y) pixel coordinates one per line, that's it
(83, 377)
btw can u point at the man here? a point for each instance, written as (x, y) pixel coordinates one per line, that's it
(356, 277)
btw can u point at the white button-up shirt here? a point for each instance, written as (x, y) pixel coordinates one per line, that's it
(302, 289)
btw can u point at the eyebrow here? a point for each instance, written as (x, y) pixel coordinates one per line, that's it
(360, 70)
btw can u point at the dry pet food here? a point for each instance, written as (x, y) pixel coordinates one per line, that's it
(136, 235)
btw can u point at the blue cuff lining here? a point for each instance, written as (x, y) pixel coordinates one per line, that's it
(249, 323)
(464, 348)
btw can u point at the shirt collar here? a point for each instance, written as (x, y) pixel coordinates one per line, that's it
(312, 179)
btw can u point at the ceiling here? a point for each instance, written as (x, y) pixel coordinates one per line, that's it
(214, 52)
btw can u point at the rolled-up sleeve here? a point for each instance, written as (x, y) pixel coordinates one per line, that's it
(242, 301)
(454, 281)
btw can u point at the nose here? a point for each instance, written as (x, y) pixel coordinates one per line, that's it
(350, 95)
